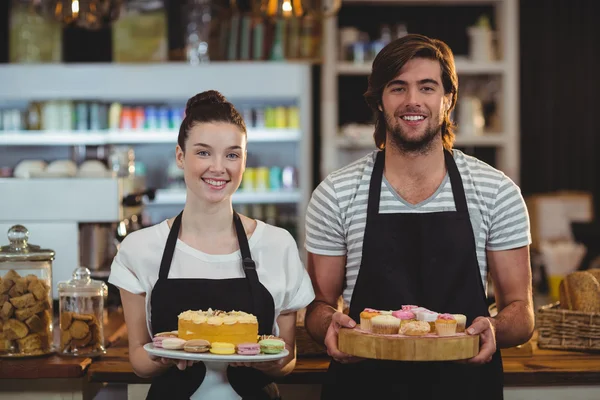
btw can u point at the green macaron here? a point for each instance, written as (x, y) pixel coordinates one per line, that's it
(271, 346)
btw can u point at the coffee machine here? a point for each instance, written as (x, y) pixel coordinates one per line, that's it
(82, 219)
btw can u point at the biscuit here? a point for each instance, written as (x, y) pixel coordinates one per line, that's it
(79, 329)
(15, 329)
(27, 300)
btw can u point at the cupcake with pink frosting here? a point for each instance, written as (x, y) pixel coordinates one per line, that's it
(404, 316)
(445, 325)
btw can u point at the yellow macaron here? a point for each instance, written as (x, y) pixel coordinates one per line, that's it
(222, 348)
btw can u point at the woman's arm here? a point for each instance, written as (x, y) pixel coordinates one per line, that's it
(144, 365)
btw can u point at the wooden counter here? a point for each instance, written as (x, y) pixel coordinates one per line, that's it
(536, 368)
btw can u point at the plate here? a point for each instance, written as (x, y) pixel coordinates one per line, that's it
(184, 355)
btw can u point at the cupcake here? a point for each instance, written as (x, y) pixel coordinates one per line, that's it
(461, 322)
(365, 318)
(428, 316)
(415, 328)
(445, 325)
(409, 308)
(385, 324)
(404, 316)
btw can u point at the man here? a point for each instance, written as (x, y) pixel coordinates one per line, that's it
(418, 223)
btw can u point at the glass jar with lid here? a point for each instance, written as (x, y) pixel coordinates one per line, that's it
(81, 305)
(25, 297)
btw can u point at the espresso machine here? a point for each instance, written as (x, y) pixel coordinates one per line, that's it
(82, 219)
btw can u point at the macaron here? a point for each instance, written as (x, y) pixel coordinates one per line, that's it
(173, 343)
(222, 348)
(197, 346)
(157, 341)
(271, 346)
(248, 349)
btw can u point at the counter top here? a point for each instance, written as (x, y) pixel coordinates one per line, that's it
(529, 367)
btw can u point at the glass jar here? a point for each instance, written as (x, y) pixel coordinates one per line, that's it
(81, 305)
(25, 297)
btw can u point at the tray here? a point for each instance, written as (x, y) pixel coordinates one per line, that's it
(184, 355)
(430, 347)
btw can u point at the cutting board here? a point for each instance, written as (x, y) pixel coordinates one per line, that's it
(407, 348)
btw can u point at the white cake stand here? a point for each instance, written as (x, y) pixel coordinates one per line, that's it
(215, 384)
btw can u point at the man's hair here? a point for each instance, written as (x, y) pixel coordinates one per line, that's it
(387, 65)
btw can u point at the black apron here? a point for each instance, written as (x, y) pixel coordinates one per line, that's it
(170, 297)
(427, 259)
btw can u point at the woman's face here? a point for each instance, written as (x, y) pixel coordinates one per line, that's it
(214, 160)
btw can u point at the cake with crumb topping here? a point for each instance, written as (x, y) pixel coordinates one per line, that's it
(218, 326)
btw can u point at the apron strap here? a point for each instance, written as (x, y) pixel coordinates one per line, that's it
(458, 191)
(375, 185)
(248, 264)
(165, 263)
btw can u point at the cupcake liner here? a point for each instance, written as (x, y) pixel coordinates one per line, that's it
(365, 324)
(445, 328)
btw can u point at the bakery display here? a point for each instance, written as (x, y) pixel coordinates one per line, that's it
(411, 333)
(25, 317)
(218, 326)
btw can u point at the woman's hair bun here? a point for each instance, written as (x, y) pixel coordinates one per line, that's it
(205, 98)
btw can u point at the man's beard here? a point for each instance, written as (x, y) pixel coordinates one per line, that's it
(401, 142)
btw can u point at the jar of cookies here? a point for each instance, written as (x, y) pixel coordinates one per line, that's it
(81, 305)
(25, 297)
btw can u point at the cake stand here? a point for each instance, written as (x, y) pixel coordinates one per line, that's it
(215, 384)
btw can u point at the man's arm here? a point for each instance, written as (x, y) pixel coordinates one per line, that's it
(511, 277)
(327, 274)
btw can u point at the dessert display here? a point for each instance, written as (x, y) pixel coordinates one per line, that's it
(218, 326)
(25, 317)
(412, 333)
(220, 333)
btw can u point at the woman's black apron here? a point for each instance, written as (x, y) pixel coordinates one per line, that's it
(170, 297)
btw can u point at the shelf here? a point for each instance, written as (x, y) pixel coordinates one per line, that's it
(99, 138)
(485, 140)
(177, 197)
(464, 67)
(147, 82)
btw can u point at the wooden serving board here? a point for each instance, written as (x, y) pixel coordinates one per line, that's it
(407, 348)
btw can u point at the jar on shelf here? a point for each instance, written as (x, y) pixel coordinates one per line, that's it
(25, 297)
(81, 307)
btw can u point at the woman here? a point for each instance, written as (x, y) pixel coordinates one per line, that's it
(210, 257)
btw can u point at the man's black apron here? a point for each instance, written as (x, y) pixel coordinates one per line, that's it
(427, 259)
(170, 297)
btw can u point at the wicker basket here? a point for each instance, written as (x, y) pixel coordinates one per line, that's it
(561, 329)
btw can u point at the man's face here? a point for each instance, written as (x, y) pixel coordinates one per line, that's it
(414, 104)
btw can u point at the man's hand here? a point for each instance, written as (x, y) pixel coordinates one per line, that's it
(339, 320)
(486, 328)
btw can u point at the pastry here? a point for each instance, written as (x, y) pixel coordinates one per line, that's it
(445, 325)
(385, 324)
(218, 326)
(248, 349)
(173, 343)
(222, 348)
(196, 346)
(404, 316)
(409, 308)
(461, 322)
(167, 334)
(429, 317)
(415, 328)
(271, 346)
(365, 318)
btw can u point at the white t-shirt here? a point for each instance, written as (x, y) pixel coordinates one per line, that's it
(337, 212)
(278, 265)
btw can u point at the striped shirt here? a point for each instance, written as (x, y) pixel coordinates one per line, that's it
(337, 211)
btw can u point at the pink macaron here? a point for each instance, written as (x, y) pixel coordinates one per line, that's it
(248, 349)
(400, 314)
(157, 341)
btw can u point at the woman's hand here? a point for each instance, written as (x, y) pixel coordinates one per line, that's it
(180, 364)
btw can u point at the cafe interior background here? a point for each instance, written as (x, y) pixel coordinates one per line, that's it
(92, 93)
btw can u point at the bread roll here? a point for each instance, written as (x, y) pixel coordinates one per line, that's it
(580, 291)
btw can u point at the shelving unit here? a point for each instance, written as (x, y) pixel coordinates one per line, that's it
(240, 82)
(506, 143)
(102, 138)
